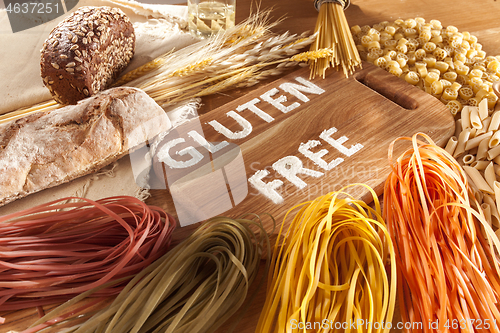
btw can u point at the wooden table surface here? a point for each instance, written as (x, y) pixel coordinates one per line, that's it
(480, 18)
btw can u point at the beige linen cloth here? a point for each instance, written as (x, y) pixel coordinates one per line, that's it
(159, 29)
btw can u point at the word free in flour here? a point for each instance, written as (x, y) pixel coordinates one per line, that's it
(289, 167)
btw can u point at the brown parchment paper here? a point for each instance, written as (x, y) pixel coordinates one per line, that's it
(159, 29)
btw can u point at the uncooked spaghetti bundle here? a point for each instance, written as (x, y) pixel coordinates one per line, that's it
(329, 272)
(448, 271)
(55, 251)
(333, 33)
(195, 287)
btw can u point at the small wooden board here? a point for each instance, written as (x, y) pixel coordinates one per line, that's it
(371, 108)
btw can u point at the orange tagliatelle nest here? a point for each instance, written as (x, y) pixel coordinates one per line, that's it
(446, 251)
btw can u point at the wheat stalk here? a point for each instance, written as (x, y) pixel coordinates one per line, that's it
(231, 81)
(138, 72)
(239, 57)
(187, 70)
(263, 75)
(214, 60)
(253, 74)
(313, 55)
(19, 113)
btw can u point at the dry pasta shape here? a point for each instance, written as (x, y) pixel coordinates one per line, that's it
(335, 263)
(55, 251)
(447, 251)
(195, 287)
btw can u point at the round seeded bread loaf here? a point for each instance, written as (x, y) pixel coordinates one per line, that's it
(86, 52)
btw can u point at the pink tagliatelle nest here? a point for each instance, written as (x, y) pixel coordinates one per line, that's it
(56, 251)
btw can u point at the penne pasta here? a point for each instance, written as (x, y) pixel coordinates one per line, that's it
(489, 175)
(486, 124)
(479, 196)
(496, 188)
(462, 139)
(493, 152)
(483, 109)
(487, 213)
(451, 145)
(478, 180)
(495, 121)
(495, 217)
(474, 142)
(475, 119)
(465, 117)
(482, 150)
(494, 140)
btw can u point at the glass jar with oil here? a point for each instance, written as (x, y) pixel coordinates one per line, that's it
(208, 17)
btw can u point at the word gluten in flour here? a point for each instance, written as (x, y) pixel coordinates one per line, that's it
(174, 151)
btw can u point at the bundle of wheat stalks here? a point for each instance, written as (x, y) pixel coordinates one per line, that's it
(240, 57)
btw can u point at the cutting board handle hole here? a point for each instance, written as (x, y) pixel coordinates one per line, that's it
(390, 87)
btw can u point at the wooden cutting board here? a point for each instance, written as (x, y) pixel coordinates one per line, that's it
(344, 125)
(353, 119)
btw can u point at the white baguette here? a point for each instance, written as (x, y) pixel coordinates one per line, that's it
(46, 149)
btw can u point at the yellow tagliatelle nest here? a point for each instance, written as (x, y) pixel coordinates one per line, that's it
(330, 269)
